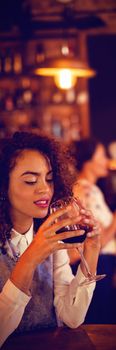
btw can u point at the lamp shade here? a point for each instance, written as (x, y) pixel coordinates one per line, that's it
(52, 67)
(65, 70)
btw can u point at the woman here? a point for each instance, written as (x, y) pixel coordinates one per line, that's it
(91, 163)
(33, 258)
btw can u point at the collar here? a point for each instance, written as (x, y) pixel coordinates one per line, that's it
(16, 237)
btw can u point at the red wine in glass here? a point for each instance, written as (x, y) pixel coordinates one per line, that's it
(76, 239)
(76, 206)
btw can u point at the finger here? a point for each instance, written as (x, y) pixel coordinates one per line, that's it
(79, 203)
(58, 213)
(89, 212)
(93, 233)
(83, 211)
(60, 224)
(89, 215)
(91, 222)
(69, 234)
(62, 245)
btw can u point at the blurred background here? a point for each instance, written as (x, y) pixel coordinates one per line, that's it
(32, 34)
(58, 75)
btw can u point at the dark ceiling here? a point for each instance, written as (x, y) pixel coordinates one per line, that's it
(29, 17)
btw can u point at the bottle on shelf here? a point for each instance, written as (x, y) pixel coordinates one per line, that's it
(17, 63)
(9, 102)
(23, 98)
(8, 62)
(39, 54)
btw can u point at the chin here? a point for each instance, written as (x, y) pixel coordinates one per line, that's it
(41, 215)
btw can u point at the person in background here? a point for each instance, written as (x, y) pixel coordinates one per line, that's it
(38, 289)
(91, 163)
(108, 184)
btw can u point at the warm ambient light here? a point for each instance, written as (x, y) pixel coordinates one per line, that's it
(65, 71)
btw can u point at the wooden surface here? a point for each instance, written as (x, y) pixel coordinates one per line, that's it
(102, 336)
(87, 337)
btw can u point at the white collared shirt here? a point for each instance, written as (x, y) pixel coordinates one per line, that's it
(71, 300)
(21, 242)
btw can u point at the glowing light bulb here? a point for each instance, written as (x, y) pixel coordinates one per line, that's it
(65, 79)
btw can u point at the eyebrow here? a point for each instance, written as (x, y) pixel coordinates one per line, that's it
(35, 173)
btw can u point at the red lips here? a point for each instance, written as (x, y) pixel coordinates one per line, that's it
(42, 202)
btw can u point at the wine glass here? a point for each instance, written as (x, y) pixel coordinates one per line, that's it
(76, 206)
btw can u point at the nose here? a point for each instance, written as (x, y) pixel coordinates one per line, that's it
(42, 187)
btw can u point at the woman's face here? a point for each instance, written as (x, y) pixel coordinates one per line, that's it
(30, 186)
(99, 162)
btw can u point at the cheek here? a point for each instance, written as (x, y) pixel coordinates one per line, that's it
(18, 194)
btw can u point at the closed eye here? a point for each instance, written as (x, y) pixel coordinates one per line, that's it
(31, 182)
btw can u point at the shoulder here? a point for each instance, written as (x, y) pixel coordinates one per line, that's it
(82, 188)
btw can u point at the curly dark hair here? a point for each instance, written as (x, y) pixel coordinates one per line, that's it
(11, 148)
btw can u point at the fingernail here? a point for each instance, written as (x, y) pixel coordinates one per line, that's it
(89, 234)
(83, 211)
(86, 220)
(88, 212)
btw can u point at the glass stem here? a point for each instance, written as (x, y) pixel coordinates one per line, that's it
(84, 262)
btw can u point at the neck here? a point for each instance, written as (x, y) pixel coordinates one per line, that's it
(88, 175)
(21, 223)
(20, 229)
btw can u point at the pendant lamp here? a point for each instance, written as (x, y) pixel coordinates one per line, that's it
(65, 68)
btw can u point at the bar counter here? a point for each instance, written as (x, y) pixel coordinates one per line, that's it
(85, 337)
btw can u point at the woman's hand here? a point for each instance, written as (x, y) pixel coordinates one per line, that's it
(88, 221)
(93, 238)
(47, 241)
(92, 244)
